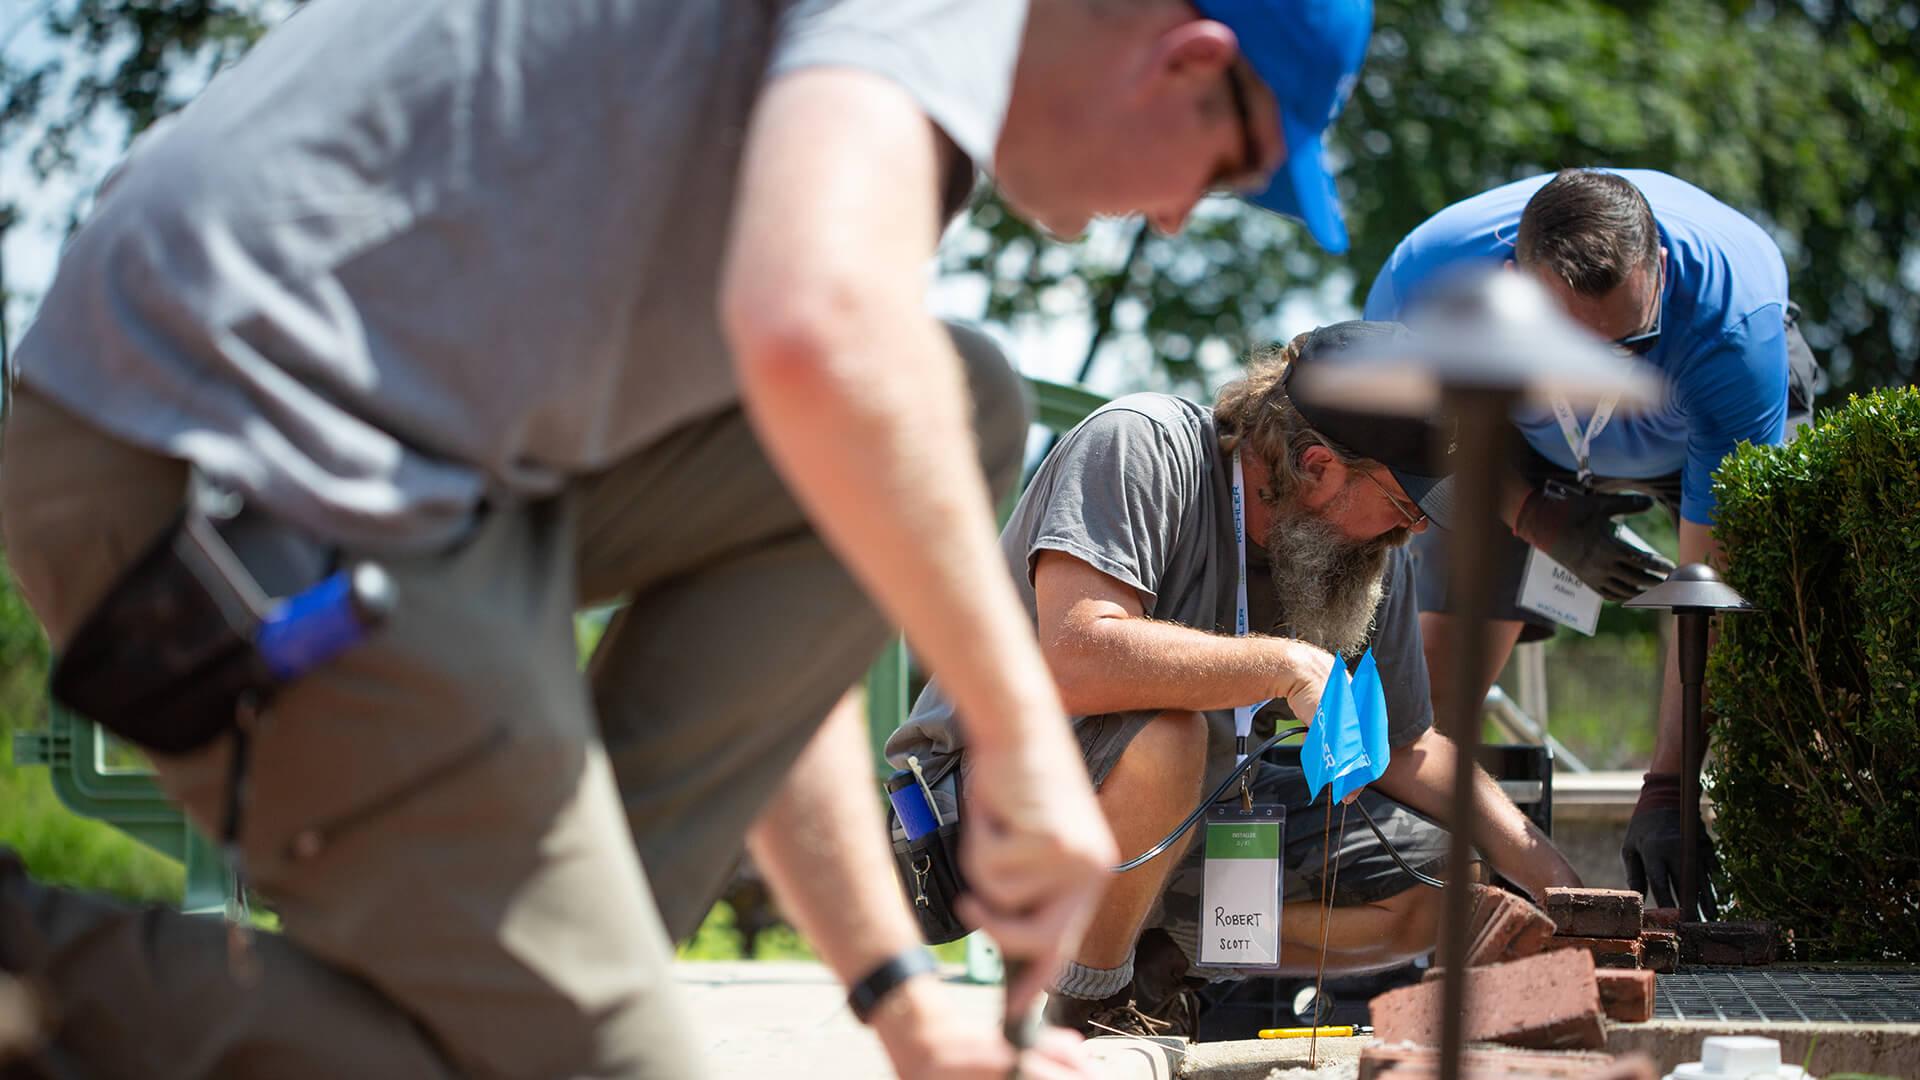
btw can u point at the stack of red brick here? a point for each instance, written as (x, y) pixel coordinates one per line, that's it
(1523, 990)
(1721, 944)
(1548, 981)
(1609, 924)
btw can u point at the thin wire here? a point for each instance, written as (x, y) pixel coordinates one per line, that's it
(1326, 833)
(1424, 879)
(1326, 918)
(1326, 921)
(1218, 793)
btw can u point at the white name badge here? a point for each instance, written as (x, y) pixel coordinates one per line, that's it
(1549, 589)
(1240, 892)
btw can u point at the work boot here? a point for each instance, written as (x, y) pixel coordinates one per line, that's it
(1160, 1001)
(1072, 1012)
(1115, 1014)
(1162, 989)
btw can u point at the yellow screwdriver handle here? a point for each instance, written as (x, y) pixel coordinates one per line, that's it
(1304, 1032)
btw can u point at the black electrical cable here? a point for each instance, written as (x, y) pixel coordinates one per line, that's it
(1220, 792)
(1416, 875)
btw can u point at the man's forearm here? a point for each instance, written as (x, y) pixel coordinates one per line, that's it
(1125, 664)
(877, 443)
(859, 400)
(819, 844)
(1421, 777)
(818, 841)
(858, 395)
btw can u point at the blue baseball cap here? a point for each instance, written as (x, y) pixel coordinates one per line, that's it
(1308, 52)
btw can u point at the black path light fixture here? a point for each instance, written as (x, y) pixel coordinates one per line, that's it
(1483, 341)
(1694, 593)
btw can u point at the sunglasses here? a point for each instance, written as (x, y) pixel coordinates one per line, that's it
(1248, 178)
(1413, 520)
(1642, 343)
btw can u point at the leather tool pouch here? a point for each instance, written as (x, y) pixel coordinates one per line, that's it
(167, 656)
(930, 866)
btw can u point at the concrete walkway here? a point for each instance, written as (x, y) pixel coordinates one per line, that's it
(790, 1020)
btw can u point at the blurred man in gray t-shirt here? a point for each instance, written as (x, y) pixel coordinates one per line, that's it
(546, 305)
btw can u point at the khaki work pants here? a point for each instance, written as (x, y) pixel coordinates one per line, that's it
(451, 821)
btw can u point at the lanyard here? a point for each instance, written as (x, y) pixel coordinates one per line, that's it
(1578, 441)
(1243, 715)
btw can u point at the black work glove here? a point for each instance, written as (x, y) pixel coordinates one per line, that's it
(1576, 528)
(1652, 848)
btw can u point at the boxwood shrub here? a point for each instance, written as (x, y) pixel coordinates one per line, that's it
(1816, 769)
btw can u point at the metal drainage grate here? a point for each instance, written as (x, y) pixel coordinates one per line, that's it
(1842, 996)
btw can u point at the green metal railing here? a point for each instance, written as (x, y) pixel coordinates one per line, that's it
(96, 776)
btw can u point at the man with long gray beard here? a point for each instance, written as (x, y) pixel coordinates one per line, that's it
(1124, 551)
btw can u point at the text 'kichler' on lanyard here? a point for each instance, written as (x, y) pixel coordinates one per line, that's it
(1578, 441)
(1242, 716)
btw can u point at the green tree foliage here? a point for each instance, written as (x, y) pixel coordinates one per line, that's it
(116, 64)
(133, 58)
(1804, 114)
(1806, 118)
(1817, 775)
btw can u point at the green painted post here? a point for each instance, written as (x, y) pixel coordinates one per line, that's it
(886, 700)
(209, 880)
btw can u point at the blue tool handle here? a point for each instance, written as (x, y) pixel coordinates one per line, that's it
(309, 628)
(916, 817)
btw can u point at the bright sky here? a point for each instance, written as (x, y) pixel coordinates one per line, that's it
(31, 247)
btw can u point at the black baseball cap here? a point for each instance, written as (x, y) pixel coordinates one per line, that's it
(1412, 448)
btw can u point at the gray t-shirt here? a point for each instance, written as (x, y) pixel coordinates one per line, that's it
(405, 256)
(1141, 492)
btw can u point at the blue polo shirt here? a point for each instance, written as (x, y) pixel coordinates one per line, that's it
(1723, 344)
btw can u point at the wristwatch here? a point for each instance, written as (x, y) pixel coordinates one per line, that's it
(867, 994)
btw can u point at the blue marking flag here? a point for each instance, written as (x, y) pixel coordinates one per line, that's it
(1346, 745)
(1370, 701)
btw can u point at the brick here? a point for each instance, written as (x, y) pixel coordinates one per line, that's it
(1504, 927)
(1626, 996)
(1607, 952)
(1545, 1002)
(1403, 1061)
(1660, 918)
(1660, 950)
(1599, 913)
(1634, 1066)
(1730, 944)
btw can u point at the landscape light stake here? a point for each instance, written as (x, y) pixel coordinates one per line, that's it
(1694, 593)
(1482, 416)
(1483, 340)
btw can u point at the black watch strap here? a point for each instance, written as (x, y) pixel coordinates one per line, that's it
(867, 994)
